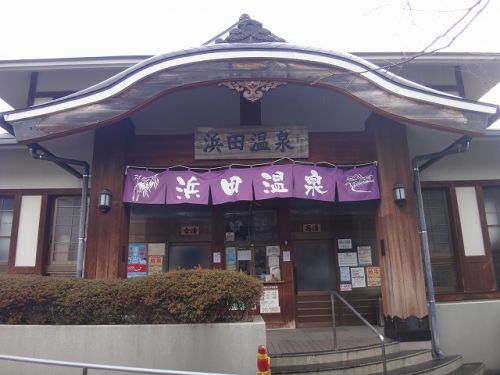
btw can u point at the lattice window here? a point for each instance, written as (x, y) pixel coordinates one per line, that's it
(6, 216)
(437, 216)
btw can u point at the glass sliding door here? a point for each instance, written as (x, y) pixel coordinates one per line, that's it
(314, 266)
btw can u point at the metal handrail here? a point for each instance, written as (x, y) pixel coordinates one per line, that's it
(86, 366)
(381, 337)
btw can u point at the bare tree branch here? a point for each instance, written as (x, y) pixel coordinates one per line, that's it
(426, 51)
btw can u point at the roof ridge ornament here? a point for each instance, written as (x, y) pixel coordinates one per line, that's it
(252, 90)
(249, 31)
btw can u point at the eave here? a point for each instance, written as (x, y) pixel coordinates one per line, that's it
(121, 95)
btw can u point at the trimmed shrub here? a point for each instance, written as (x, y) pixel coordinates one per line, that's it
(185, 296)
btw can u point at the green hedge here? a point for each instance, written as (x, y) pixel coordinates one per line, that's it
(191, 296)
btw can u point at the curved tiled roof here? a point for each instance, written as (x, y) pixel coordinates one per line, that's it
(274, 51)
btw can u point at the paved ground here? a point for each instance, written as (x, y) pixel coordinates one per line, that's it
(303, 340)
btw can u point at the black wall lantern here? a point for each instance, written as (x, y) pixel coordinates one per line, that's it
(104, 200)
(399, 195)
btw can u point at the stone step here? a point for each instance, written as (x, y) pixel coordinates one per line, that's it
(360, 366)
(444, 366)
(347, 354)
(469, 369)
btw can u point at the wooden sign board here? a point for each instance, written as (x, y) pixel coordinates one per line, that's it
(190, 230)
(311, 228)
(251, 142)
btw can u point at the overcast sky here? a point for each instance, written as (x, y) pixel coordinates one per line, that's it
(32, 29)
(70, 28)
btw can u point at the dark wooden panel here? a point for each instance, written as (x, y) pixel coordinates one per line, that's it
(464, 296)
(108, 232)
(165, 151)
(286, 288)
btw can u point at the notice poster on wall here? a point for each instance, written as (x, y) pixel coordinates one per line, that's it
(345, 274)
(272, 251)
(137, 260)
(345, 287)
(231, 258)
(155, 264)
(244, 254)
(358, 279)
(373, 276)
(348, 259)
(216, 257)
(270, 301)
(344, 243)
(365, 255)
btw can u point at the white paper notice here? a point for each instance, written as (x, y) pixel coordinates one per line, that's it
(274, 261)
(286, 256)
(344, 243)
(270, 301)
(272, 250)
(358, 278)
(345, 274)
(244, 254)
(345, 287)
(365, 255)
(348, 259)
(217, 257)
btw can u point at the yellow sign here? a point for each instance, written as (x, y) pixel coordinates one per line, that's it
(373, 276)
(155, 264)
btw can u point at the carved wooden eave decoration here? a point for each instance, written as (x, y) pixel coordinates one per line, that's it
(252, 90)
(120, 96)
(250, 31)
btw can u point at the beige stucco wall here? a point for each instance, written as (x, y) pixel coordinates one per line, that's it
(223, 348)
(18, 170)
(471, 329)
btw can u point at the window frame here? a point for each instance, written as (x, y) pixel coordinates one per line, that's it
(485, 228)
(453, 258)
(4, 265)
(63, 269)
(469, 287)
(251, 243)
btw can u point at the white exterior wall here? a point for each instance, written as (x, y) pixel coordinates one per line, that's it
(480, 162)
(27, 236)
(18, 170)
(471, 329)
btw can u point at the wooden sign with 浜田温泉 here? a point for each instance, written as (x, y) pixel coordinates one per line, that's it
(252, 142)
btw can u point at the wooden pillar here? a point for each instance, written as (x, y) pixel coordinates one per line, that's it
(403, 287)
(107, 237)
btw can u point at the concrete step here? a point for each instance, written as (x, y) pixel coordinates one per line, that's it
(444, 366)
(328, 356)
(469, 369)
(360, 366)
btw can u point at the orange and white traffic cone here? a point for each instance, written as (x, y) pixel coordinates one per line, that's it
(263, 361)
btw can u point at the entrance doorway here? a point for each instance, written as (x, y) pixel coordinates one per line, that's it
(334, 248)
(314, 268)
